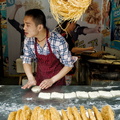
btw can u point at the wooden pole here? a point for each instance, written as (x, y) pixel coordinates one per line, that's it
(1, 53)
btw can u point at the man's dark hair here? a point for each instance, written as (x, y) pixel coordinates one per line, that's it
(64, 24)
(37, 15)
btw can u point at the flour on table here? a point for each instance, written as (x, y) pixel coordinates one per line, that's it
(105, 94)
(43, 95)
(82, 94)
(115, 93)
(70, 95)
(55, 95)
(36, 89)
(94, 94)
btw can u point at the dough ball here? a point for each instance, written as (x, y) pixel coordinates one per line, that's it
(36, 89)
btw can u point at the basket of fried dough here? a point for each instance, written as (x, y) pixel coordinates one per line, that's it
(71, 113)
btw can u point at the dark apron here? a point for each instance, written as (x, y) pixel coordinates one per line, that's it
(48, 66)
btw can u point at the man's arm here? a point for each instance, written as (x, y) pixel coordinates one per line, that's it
(11, 18)
(29, 74)
(92, 30)
(14, 11)
(61, 74)
(78, 50)
(45, 84)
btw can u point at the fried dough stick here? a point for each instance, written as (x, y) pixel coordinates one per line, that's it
(12, 116)
(107, 113)
(40, 114)
(47, 114)
(91, 115)
(26, 113)
(76, 113)
(70, 114)
(97, 113)
(83, 113)
(64, 115)
(34, 115)
(54, 114)
(19, 115)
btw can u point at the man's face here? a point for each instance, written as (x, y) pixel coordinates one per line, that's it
(30, 29)
(72, 26)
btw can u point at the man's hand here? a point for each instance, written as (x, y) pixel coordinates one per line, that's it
(90, 48)
(97, 29)
(18, 4)
(46, 83)
(29, 84)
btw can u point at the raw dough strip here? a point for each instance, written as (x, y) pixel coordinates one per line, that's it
(43, 95)
(94, 94)
(82, 94)
(115, 93)
(105, 94)
(55, 95)
(70, 95)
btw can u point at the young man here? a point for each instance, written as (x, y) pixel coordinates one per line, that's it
(54, 60)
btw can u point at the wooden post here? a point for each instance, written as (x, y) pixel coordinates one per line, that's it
(1, 53)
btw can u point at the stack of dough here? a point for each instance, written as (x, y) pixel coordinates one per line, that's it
(72, 113)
